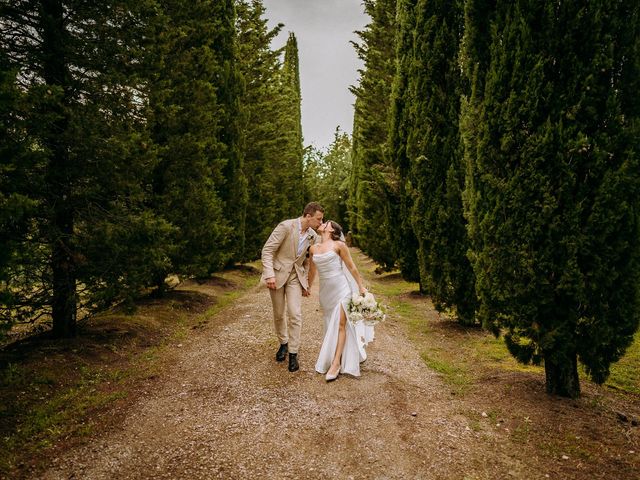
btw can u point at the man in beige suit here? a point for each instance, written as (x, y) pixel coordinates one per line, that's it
(285, 271)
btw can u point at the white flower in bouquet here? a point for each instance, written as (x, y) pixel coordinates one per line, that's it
(365, 308)
(357, 299)
(369, 301)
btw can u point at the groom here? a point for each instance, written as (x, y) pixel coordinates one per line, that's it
(284, 269)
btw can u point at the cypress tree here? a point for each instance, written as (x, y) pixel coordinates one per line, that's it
(291, 130)
(229, 88)
(261, 103)
(372, 174)
(405, 244)
(327, 177)
(555, 192)
(474, 62)
(434, 154)
(190, 100)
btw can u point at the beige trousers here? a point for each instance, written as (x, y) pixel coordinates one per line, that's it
(288, 327)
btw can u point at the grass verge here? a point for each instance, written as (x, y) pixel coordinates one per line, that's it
(455, 351)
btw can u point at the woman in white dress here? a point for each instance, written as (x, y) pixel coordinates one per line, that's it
(343, 345)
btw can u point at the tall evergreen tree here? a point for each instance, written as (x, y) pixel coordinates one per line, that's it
(405, 243)
(79, 121)
(372, 175)
(474, 62)
(229, 88)
(261, 102)
(435, 168)
(291, 130)
(555, 193)
(190, 106)
(327, 177)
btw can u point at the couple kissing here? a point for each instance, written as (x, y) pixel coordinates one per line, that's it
(295, 253)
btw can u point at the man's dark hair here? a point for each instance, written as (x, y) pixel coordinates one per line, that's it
(312, 208)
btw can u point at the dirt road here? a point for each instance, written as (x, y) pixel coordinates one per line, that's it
(226, 409)
(223, 408)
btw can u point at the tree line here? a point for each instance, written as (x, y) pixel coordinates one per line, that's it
(138, 139)
(496, 162)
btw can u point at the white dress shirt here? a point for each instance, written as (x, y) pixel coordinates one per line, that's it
(303, 237)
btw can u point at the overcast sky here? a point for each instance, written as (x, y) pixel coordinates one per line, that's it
(328, 62)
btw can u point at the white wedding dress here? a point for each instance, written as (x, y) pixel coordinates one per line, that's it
(337, 285)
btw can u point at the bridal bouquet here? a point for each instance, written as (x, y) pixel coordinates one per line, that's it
(365, 308)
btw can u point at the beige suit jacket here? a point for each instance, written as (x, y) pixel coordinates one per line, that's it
(279, 254)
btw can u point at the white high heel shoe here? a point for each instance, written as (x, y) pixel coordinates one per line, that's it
(331, 377)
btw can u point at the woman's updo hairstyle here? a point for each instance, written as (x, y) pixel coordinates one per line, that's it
(337, 230)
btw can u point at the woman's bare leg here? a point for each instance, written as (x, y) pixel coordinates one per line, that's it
(342, 337)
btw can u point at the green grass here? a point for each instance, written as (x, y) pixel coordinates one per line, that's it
(453, 374)
(521, 433)
(570, 445)
(625, 374)
(493, 352)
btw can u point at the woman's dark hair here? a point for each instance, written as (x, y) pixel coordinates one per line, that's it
(337, 230)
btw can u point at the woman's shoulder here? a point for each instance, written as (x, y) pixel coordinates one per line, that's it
(342, 249)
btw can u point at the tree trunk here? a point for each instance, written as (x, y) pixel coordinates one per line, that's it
(64, 289)
(59, 179)
(161, 285)
(562, 374)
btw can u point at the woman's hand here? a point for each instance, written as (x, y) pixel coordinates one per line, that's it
(363, 291)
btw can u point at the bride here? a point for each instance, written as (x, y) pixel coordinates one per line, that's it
(343, 345)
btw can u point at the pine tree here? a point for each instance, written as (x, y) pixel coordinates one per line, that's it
(80, 119)
(372, 174)
(555, 196)
(405, 243)
(434, 154)
(18, 204)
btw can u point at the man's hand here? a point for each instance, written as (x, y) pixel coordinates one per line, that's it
(306, 293)
(271, 283)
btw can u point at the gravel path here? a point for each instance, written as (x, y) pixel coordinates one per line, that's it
(226, 409)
